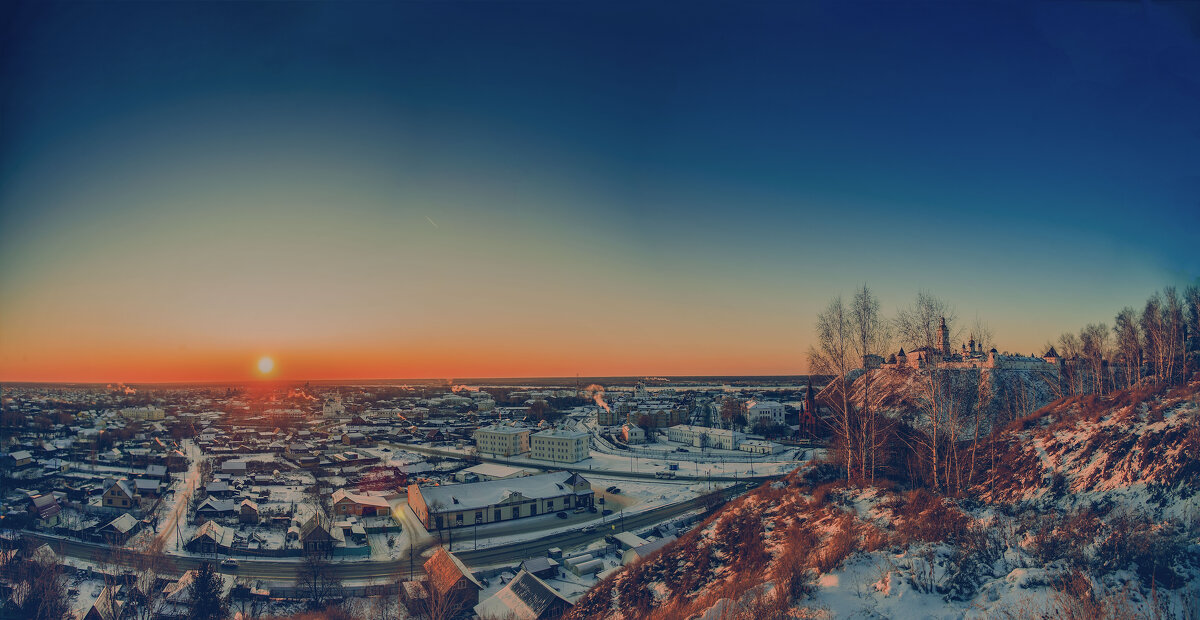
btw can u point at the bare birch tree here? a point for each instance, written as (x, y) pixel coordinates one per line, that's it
(1191, 298)
(918, 325)
(1069, 347)
(1173, 335)
(869, 337)
(832, 356)
(1154, 336)
(982, 334)
(1093, 339)
(1128, 345)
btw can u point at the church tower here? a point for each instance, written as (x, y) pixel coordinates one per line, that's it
(944, 336)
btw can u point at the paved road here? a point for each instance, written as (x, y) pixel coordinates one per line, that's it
(276, 569)
(169, 527)
(615, 523)
(285, 570)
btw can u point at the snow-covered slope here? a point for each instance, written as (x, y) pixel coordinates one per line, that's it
(1080, 544)
(1134, 446)
(999, 394)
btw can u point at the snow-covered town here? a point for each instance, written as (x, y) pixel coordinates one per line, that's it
(595, 310)
(566, 483)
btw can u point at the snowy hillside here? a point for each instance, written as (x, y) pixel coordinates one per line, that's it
(1137, 446)
(1079, 544)
(1004, 394)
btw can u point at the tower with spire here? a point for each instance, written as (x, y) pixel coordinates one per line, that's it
(944, 337)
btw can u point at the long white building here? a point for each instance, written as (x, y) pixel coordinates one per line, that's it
(458, 505)
(702, 437)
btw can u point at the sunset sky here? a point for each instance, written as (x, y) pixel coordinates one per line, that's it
(411, 190)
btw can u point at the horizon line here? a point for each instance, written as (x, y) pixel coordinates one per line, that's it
(409, 379)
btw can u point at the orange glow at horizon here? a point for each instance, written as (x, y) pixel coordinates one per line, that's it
(362, 363)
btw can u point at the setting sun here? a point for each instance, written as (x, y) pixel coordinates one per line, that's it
(266, 365)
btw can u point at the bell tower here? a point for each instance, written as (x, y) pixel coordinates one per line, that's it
(944, 336)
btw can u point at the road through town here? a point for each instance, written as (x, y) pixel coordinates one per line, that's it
(360, 570)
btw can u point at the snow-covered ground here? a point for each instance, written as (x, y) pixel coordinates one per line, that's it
(765, 465)
(172, 512)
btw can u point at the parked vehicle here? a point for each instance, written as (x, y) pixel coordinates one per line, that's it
(607, 511)
(561, 515)
(229, 563)
(664, 474)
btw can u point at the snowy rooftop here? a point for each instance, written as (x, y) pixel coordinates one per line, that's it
(495, 428)
(493, 470)
(482, 494)
(559, 432)
(525, 597)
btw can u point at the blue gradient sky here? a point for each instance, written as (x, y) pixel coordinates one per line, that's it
(435, 189)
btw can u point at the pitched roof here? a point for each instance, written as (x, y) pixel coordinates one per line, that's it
(474, 495)
(524, 598)
(366, 500)
(537, 565)
(494, 470)
(122, 524)
(211, 504)
(123, 485)
(178, 592)
(46, 506)
(106, 605)
(650, 547)
(445, 571)
(314, 528)
(223, 536)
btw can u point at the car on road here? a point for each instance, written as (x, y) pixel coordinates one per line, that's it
(615, 491)
(580, 509)
(589, 529)
(591, 509)
(229, 563)
(612, 489)
(385, 449)
(607, 511)
(561, 515)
